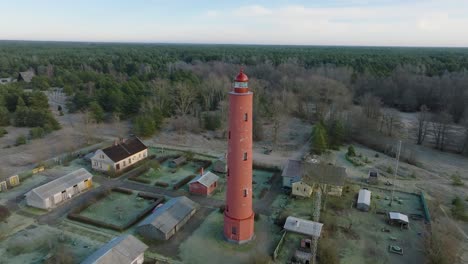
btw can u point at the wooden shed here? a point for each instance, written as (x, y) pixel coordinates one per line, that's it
(9, 182)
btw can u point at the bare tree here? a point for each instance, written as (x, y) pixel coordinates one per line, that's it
(440, 129)
(183, 98)
(371, 106)
(423, 122)
(389, 121)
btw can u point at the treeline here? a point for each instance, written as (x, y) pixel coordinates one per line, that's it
(147, 83)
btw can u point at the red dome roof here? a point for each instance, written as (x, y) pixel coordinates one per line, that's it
(241, 77)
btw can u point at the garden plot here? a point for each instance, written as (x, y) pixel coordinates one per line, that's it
(116, 210)
(39, 244)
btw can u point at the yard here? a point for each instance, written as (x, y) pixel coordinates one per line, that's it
(117, 208)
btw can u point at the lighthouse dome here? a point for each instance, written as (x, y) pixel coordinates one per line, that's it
(242, 77)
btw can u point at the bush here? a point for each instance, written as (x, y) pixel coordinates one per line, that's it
(256, 217)
(146, 181)
(212, 121)
(4, 213)
(389, 170)
(122, 190)
(458, 209)
(376, 155)
(36, 132)
(351, 152)
(456, 180)
(20, 140)
(3, 131)
(222, 208)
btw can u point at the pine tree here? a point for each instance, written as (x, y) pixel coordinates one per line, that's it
(336, 132)
(319, 139)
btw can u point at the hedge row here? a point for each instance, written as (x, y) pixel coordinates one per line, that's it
(151, 196)
(265, 167)
(122, 190)
(162, 184)
(86, 220)
(183, 182)
(146, 181)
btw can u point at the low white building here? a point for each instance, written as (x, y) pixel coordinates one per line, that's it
(364, 200)
(55, 192)
(302, 226)
(120, 155)
(395, 218)
(123, 249)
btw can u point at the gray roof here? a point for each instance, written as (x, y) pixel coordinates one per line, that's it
(120, 250)
(398, 216)
(364, 197)
(206, 179)
(179, 160)
(323, 174)
(302, 226)
(58, 185)
(292, 169)
(166, 217)
(27, 75)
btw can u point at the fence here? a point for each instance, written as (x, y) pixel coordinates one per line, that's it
(278, 247)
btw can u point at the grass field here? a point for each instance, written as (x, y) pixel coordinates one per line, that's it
(116, 208)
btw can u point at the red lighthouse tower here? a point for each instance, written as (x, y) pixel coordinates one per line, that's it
(238, 214)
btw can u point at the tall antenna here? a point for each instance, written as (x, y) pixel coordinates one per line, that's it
(396, 171)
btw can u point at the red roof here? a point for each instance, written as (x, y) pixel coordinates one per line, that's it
(241, 77)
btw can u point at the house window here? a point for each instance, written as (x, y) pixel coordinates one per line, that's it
(214, 184)
(129, 161)
(234, 230)
(245, 117)
(245, 192)
(139, 155)
(102, 156)
(124, 163)
(245, 155)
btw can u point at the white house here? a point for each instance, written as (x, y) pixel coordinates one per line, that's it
(120, 155)
(55, 192)
(364, 200)
(122, 249)
(302, 226)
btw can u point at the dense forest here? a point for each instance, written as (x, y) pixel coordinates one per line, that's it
(147, 82)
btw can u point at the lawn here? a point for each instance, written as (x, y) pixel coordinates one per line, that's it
(116, 208)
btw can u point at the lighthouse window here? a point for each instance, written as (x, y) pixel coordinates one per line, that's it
(245, 117)
(245, 155)
(228, 172)
(234, 230)
(229, 135)
(245, 192)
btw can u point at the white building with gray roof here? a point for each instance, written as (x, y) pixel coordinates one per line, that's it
(166, 220)
(302, 226)
(55, 192)
(125, 249)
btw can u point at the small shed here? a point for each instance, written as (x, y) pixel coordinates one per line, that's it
(204, 184)
(395, 218)
(292, 172)
(220, 165)
(364, 200)
(373, 177)
(122, 249)
(302, 226)
(166, 220)
(55, 192)
(177, 162)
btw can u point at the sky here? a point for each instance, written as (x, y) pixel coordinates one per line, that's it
(300, 22)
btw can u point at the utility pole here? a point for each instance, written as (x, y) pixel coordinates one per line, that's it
(396, 171)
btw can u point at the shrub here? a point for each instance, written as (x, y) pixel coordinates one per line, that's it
(256, 217)
(389, 170)
(376, 155)
(222, 208)
(20, 140)
(3, 131)
(456, 180)
(212, 121)
(122, 190)
(351, 152)
(458, 209)
(327, 252)
(146, 181)
(4, 213)
(36, 132)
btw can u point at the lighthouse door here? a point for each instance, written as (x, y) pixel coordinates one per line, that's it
(234, 233)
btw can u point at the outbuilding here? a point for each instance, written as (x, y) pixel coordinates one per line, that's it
(166, 220)
(364, 200)
(177, 161)
(204, 184)
(303, 227)
(9, 182)
(373, 177)
(122, 249)
(395, 218)
(55, 192)
(220, 165)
